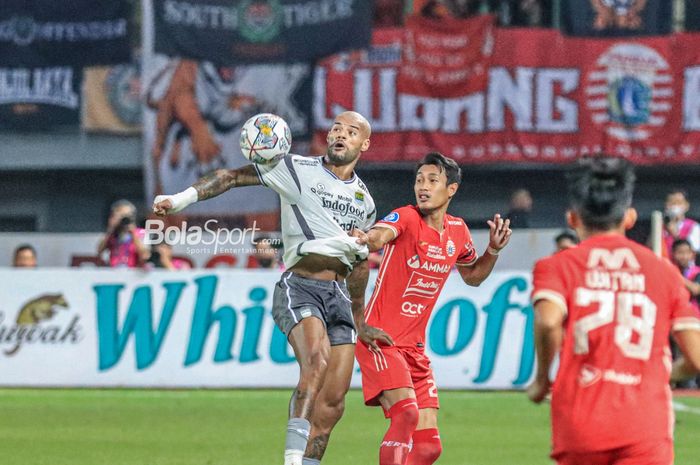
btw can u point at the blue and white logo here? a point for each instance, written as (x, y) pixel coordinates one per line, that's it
(629, 101)
(392, 217)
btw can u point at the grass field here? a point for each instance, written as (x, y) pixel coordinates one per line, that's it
(140, 427)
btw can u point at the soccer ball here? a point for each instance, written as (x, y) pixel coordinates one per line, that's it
(265, 138)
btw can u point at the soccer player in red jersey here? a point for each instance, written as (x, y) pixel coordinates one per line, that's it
(423, 243)
(607, 307)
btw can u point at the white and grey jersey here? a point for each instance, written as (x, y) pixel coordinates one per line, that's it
(318, 209)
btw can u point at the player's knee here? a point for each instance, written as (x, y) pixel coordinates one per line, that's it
(429, 452)
(406, 417)
(314, 365)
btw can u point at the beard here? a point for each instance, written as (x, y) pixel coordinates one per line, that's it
(340, 159)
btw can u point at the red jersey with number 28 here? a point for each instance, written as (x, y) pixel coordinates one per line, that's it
(621, 302)
(414, 269)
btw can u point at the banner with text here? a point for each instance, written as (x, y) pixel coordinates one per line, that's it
(546, 98)
(38, 98)
(230, 32)
(191, 329)
(76, 33)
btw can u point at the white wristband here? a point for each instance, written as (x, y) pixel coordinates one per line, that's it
(491, 251)
(179, 201)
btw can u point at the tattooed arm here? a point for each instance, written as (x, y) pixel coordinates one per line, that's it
(211, 185)
(357, 284)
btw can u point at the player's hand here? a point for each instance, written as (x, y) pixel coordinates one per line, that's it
(373, 337)
(162, 205)
(499, 232)
(360, 235)
(538, 391)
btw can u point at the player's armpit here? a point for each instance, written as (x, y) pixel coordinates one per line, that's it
(379, 236)
(219, 181)
(689, 342)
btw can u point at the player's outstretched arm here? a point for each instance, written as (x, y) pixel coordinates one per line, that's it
(687, 366)
(375, 238)
(210, 185)
(357, 285)
(549, 332)
(499, 235)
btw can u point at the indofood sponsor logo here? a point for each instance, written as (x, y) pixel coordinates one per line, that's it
(35, 324)
(630, 91)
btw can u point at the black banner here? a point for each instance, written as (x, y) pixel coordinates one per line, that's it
(229, 32)
(39, 98)
(616, 18)
(692, 15)
(37, 33)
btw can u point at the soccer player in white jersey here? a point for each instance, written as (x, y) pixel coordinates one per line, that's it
(322, 200)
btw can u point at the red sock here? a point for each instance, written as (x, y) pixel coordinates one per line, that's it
(426, 447)
(395, 446)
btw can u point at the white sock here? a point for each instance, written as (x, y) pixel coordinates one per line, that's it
(293, 457)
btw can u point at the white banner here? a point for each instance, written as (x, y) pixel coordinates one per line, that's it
(215, 329)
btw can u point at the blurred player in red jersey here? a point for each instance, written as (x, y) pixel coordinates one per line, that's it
(423, 243)
(607, 307)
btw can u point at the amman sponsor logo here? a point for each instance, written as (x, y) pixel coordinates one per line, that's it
(31, 325)
(423, 285)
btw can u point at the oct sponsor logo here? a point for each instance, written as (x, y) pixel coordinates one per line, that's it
(412, 310)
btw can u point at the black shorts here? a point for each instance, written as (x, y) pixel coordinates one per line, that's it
(296, 298)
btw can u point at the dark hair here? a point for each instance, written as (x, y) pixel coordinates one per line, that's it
(678, 190)
(679, 242)
(600, 190)
(23, 247)
(448, 165)
(567, 234)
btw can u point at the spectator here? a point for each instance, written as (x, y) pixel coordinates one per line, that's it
(24, 257)
(683, 256)
(566, 240)
(522, 13)
(122, 238)
(437, 9)
(388, 13)
(676, 225)
(162, 257)
(520, 208)
(265, 255)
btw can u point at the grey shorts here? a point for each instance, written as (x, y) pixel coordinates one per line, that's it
(296, 298)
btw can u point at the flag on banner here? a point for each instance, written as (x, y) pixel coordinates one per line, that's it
(230, 32)
(76, 33)
(37, 98)
(692, 15)
(446, 57)
(111, 99)
(615, 18)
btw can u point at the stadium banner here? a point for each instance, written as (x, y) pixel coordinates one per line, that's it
(39, 98)
(547, 98)
(603, 18)
(111, 99)
(230, 32)
(76, 33)
(114, 328)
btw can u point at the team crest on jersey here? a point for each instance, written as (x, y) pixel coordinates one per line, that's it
(392, 217)
(414, 262)
(359, 197)
(450, 246)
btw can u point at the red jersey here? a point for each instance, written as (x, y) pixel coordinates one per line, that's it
(414, 269)
(621, 302)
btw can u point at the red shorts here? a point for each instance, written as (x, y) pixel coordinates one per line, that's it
(392, 368)
(647, 453)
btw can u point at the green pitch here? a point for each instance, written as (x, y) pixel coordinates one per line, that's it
(140, 427)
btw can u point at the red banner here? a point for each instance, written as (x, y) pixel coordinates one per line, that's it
(546, 98)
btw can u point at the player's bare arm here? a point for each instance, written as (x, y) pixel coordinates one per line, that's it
(211, 185)
(499, 235)
(689, 364)
(376, 238)
(549, 332)
(357, 284)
